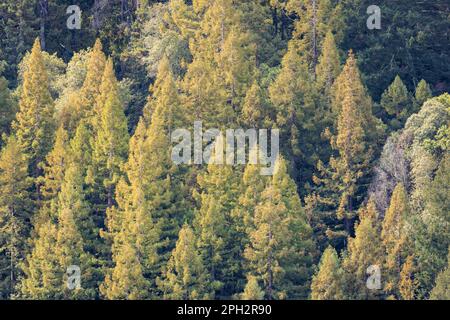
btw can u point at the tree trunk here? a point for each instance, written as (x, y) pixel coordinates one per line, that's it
(270, 284)
(314, 38)
(96, 15)
(11, 252)
(43, 11)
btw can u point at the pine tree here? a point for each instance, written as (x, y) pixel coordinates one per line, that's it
(363, 251)
(300, 113)
(7, 107)
(252, 290)
(394, 238)
(201, 83)
(42, 274)
(163, 186)
(59, 245)
(327, 284)
(80, 150)
(328, 68)
(79, 103)
(185, 277)
(441, 290)
(238, 62)
(15, 214)
(397, 103)
(431, 230)
(318, 18)
(56, 163)
(327, 71)
(253, 184)
(17, 33)
(298, 265)
(423, 93)
(34, 122)
(127, 280)
(108, 133)
(55, 166)
(350, 82)
(91, 88)
(136, 170)
(408, 285)
(281, 250)
(344, 181)
(223, 63)
(293, 96)
(165, 91)
(216, 226)
(255, 108)
(150, 201)
(110, 145)
(134, 255)
(131, 230)
(74, 234)
(266, 248)
(259, 19)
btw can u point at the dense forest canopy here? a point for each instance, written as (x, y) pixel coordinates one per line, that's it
(92, 205)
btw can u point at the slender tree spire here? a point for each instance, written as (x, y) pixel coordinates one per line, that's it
(186, 277)
(34, 123)
(15, 215)
(328, 284)
(394, 238)
(110, 145)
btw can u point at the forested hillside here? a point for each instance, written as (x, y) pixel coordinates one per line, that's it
(92, 205)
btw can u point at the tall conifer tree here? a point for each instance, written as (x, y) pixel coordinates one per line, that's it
(318, 17)
(131, 230)
(397, 103)
(431, 230)
(216, 226)
(422, 94)
(110, 145)
(91, 85)
(363, 251)
(394, 238)
(34, 123)
(7, 107)
(59, 245)
(281, 251)
(344, 182)
(252, 290)
(185, 277)
(328, 284)
(441, 290)
(50, 182)
(15, 215)
(164, 188)
(223, 63)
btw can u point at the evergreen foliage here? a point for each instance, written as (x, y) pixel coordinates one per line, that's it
(360, 190)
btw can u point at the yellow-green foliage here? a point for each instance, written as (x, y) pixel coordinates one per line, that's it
(186, 277)
(328, 284)
(87, 177)
(34, 123)
(15, 213)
